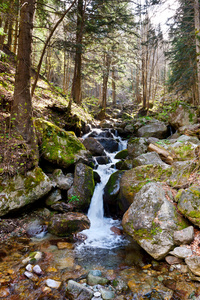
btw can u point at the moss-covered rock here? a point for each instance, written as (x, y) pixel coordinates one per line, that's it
(21, 190)
(110, 196)
(122, 154)
(148, 158)
(183, 116)
(136, 146)
(80, 194)
(152, 220)
(189, 203)
(68, 224)
(58, 146)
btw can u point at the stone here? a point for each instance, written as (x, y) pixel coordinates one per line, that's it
(57, 146)
(193, 263)
(53, 197)
(183, 116)
(29, 268)
(122, 154)
(149, 158)
(107, 294)
(189, 203)
(94, 280)
(181, 252)
(36, 229)
(172, 260)
(68, 223)
(80, 194)
(53, 283)
(103, 160)
(152, 219)
(65, 263)
(65, 245)
(156, 129)
(137, 146)
(184, 236)
(109, 144)
(78, 291)
(21, 190)
(95, 272)
(94, 146)
(63, 182)
(37, 270)
(120, 285)
(31, 276)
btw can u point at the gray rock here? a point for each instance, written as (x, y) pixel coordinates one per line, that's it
(183, 116)
(148, 159)
(81, 192)
(21, 190)
(189, 203)
(152, 219)
(137, 146)
(193, 264)
(157, 129)
(120, 285)
(95, 272)
(172, 260)
(181, 252)
(53, 197)
(78, 291)
(94, 280)
(94, 146)
(63, 182)
(106, 294)
(184, 236)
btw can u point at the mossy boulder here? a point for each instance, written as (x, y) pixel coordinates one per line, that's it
(122, 154)
(156, 129)
(184, 150)
(152, 220)
(126, 164)
(136, 146)
(189, 203)
(110, 196)
(21, 190)
(58, 146)
(68, 223)
(182, 116)
(80, 194)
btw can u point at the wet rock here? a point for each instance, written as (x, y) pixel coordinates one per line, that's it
(152, 219)
(183, 116)
(156, 129)
(29, 268)
(172, 260)
(94, 280)
(181, 252)
(37, 270)
(122, 154)
(64, 245)
(77, 291)
(62, 207)
(53, 283)
(193, 263)
(106, 294)
(36, 229)
(188, 202)
(81, 192)
(103, 160)
(65, 263)
(120, 285)
(53, 197)
(94, 146)
(21, 190)
(33, 256)
(137, 146)
(184, 236)
(63, 182)
(31, 276)
(68, 223)
(95, 272)
(124, 164)
(109, 144)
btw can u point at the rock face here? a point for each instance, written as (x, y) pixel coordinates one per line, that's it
(152, 219)
(20, 190)
(81, 192)
(57, 146)
(189, 203)
(68, 223)
(183, 116)
(156, 129)
(94, 146)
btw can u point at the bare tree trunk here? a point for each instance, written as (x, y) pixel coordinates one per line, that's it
(107, 62)
(197, 34)
(113, 85)
(22, 114)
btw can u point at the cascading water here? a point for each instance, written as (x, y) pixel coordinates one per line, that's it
(100, 234)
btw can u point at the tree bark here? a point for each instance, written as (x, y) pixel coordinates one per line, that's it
(113, 85)
(22, 114)
(197, 34)
(107, 62)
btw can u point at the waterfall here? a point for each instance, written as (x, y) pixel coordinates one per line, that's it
(100, 235)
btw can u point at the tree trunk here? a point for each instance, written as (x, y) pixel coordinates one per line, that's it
(21, 114)
(107, 62)
(76, 85)
(197, 34)
(113, 86)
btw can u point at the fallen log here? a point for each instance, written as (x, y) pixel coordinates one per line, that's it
(164, 154)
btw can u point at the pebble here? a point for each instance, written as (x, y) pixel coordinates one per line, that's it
(37, 270)
(97, 294)
(31, 276)
(29, 268)
(53, 283)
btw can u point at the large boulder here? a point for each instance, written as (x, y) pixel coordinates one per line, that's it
(136, 146)
(94, 146)
(152, 219)
(148, 158)
(58, 146)
(81, 192)
(21, 190)
(183, 116)
(109, 144)
(189, 203)
(156, 129)
(68, 223)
